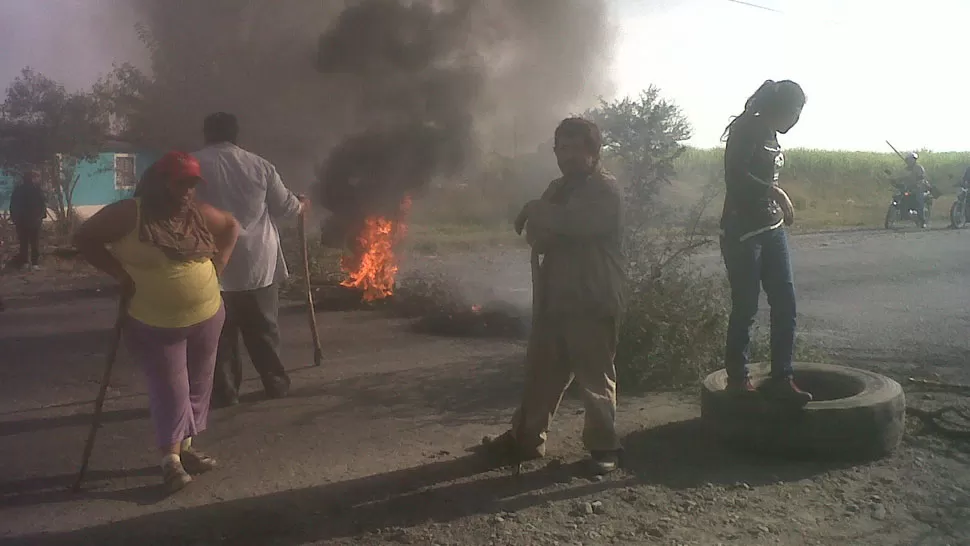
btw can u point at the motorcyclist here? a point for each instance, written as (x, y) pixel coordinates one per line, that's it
(914, 181)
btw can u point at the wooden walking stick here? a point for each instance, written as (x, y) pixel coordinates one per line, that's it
(537, 294)
(99, 402)
(317, 350)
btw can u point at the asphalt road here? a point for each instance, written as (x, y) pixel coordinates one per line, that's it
(898, 298)
(385, 398)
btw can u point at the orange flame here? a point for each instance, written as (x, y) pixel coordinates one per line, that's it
(374, 267)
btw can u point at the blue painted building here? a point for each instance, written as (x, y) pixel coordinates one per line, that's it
(109, 177)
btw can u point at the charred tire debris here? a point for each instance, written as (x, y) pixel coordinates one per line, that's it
(857, 415)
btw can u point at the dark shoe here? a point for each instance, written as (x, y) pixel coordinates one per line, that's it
(784, 389)
(740, 388)
(197, 462)
(278, 387)
(505, 450)
(605, 462)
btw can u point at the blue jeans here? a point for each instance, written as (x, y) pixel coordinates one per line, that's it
(760, 261)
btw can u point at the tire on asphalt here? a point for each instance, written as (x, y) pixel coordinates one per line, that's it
(958, 217)
(857, 415)
(890, 222)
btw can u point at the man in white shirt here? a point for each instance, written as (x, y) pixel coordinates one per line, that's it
(249, 187)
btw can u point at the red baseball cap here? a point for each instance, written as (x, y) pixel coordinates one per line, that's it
(179, 166)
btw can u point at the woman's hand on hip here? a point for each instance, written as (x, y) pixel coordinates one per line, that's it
(787, 208)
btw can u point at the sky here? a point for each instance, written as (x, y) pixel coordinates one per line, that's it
(872, 69)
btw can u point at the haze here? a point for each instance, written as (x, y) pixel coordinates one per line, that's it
(873, 69)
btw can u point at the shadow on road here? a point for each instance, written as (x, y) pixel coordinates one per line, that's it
(673, 455)
(398, 499)
(56, 489)
(683, 455)
(11, 428)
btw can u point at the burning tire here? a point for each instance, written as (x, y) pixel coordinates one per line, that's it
(856, 415)
(493, 320)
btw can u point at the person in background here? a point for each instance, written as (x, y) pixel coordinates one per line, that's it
(754, 242)
(577, 227)
(914, 181)
(249, 187)
(166, 251)
(28, 209)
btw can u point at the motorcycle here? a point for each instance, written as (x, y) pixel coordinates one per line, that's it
(903, 207)
(958, 211)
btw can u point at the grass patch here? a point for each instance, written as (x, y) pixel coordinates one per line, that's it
(674, 333)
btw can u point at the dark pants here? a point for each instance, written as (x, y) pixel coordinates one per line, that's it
(253, 314)
(760, 261)
(918, 202)
(28, 233)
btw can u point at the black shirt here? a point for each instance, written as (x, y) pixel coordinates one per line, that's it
(28, 204)
(752, 158)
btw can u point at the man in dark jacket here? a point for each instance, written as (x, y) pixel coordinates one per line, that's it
(28, 208)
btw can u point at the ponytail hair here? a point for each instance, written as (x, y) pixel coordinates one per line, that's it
(771, 97)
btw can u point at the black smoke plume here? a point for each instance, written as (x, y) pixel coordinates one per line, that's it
(370, 99)
(419, 83)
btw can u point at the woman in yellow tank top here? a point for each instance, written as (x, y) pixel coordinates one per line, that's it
(166, 250)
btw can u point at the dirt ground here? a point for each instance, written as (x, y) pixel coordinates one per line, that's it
(372, 448)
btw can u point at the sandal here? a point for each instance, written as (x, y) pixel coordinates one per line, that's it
(197, 462)
(174, 475)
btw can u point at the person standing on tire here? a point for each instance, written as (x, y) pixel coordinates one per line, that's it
(754, 242)
(28, 208)
(249, 187)
(576, 227)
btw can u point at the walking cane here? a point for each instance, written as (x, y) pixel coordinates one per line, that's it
(536, 304)
(317, 350)
(99, 403)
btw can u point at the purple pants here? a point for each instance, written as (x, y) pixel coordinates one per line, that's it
(179, 364)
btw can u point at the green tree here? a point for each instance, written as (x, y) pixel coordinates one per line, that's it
(674, 326)
(43, 126)
(642, 140)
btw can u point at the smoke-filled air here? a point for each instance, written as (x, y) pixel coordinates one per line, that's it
(373, 98)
